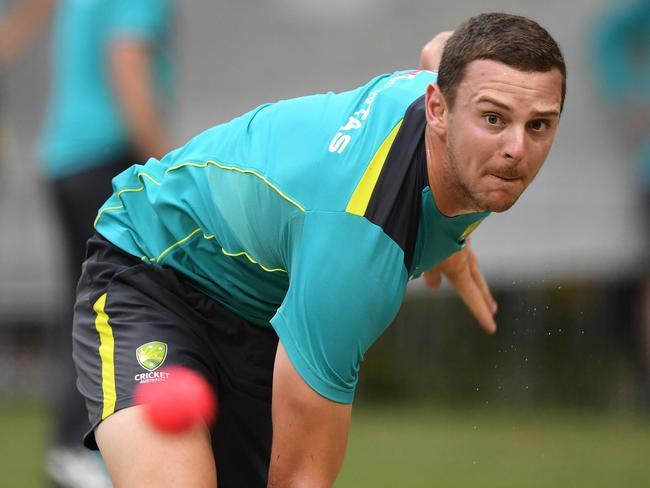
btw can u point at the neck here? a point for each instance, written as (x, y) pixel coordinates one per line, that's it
(448, 195)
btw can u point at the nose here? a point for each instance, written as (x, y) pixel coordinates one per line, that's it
(514, 144)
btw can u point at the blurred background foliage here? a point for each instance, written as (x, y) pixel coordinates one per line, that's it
(557, 345)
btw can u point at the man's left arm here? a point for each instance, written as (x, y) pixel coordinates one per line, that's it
(463, 272)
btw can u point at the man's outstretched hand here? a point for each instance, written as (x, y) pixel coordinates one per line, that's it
(461, 269)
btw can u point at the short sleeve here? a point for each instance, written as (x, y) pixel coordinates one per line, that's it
(140, 19)
(346, 283)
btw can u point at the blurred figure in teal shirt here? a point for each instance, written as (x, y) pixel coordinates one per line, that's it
(111, 86)
(111, 79)
(621, 59)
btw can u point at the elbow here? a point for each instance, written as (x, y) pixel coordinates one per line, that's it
(432, 51)
(429, 57)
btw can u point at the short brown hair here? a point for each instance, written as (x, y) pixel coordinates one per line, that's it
(510, 39)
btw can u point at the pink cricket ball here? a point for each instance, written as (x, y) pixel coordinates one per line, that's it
(179, 402)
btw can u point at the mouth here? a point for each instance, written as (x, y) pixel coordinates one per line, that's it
(505, 177)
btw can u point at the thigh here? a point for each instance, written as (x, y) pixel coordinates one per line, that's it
(134, 451)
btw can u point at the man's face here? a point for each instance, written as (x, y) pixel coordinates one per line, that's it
(499, 132)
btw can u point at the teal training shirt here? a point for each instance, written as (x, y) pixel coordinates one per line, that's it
(83, 125)
(306, 215)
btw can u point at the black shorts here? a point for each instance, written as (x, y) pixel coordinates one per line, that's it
(124, 303)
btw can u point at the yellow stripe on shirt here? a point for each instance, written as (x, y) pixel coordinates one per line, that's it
(239, 170)
(361, 197)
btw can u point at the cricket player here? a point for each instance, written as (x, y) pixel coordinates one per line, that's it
(270, 252)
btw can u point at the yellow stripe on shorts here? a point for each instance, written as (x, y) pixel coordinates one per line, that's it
(107, 355)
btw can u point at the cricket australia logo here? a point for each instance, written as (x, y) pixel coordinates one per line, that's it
(151, 355)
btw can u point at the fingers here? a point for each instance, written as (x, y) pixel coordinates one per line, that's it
(473, 296)
(479, 279)
(433, 278)
(463, 272)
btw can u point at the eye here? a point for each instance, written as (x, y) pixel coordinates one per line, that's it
(538, 125)
(492, 118)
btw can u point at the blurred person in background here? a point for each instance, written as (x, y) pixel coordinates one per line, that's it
(621, 58)
(18, 23)
(111, 84)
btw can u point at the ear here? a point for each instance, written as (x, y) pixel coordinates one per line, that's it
(436, 110)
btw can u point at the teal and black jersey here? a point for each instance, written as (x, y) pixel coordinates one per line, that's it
(306, 215)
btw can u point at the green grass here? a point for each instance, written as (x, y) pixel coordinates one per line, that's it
(420, 447)
(414, 447)
(23, 431)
